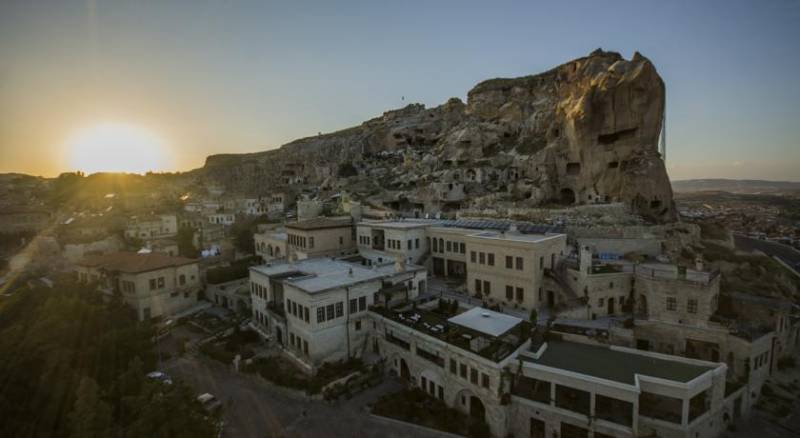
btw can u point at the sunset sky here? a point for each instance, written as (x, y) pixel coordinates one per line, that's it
(193, 78)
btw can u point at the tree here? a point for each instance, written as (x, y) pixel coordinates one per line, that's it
(91, 416)
(534, 317)
(185, 240)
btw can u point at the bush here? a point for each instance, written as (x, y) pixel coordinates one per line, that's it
(786, 362)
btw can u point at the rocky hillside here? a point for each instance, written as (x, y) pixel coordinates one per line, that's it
(585, 132)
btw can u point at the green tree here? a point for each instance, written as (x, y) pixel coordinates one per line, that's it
(91, 416)
(185, 240)
(534, 317)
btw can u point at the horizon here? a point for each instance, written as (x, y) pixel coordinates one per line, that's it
(287, 73)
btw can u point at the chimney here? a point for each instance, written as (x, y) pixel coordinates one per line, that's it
(585, 260)
(699, 264)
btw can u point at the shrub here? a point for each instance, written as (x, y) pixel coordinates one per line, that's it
(786, 362)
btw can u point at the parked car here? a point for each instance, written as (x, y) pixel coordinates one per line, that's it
(161, 377)
(209, 402)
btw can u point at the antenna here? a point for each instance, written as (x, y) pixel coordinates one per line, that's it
(663, 145)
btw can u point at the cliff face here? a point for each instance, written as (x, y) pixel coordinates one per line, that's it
(584, 132)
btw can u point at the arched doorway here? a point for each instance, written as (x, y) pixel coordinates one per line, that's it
(405, 374)
(642, 305)
(476, 409)
(567, 197)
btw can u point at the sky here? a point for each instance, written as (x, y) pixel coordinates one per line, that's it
(230, 76)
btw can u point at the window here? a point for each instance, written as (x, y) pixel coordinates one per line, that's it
(453, 366)
(482, 258)
(330, 311)
(449, 246)
(305, 347)
(435, 246)
(600, 302)
(473, 375)
(484, 380)
(487, 288)
(509, 293)
(477, 286)
(341, 240)
(509, 262)
(416, 243)
(672, 303)
(182, 280)
(305, 314)
(463, 370)
(520, 294)
(358, 325)
(311, 242)
(519, 263)
(160, 282)
(472, 256)
(541, 262)
(353, 305)
(491, 259)
(339, 309)
(173, 295)
(320, 314)
(463, 248)
(362, 304)
(691, 306)
(152, 284)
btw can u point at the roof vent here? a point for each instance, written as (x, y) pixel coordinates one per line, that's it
(485, 314)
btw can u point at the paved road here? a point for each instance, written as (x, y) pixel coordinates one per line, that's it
(254, 408)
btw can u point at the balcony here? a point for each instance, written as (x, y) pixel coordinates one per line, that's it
(277, 310)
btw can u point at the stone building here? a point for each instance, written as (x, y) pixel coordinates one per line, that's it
(509, 267)
(382, 241)
(570, 389)
(271, 245)
(316, 308)
(322, 236)
(153, 284)
(459, 360)
(157, 226)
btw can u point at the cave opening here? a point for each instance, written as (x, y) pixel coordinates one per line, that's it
(616, 136)
(567, 197)
(573, 168)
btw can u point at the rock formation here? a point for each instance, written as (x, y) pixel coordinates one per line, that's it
(585, 132)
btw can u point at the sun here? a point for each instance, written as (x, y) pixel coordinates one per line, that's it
(116, 147)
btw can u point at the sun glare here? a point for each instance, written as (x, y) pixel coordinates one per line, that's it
(116, 147)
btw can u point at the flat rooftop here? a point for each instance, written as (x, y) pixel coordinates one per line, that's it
(514, 237)
(399, 225)
(322, 273)
(485, 321)
(619, 366)
(320, 223)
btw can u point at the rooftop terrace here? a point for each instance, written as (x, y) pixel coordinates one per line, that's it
(322, 273)
(432, 323)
